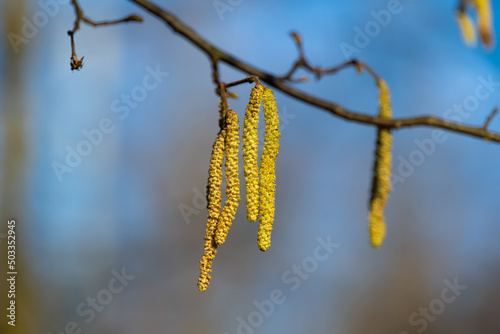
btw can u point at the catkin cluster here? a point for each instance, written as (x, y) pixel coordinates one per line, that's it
(261, 197)
(381, 182)
(260, 183)
(484, 21)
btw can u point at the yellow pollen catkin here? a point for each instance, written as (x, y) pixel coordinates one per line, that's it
(484, 20)
(381, 182)
(213, 204)
(250, 152)
(232, 178)
(268, 170)
(467, 28)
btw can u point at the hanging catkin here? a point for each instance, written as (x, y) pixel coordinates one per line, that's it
(213, 202)
(381, 182)
(484, 20)
(232, 178)
(250, 152)
(268, 170)
(466, 27)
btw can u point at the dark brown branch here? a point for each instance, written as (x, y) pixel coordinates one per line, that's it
(318, 71)
(76, 63)
(218, 55)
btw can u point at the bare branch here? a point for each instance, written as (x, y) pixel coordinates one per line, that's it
(76, 63)
(397, 123)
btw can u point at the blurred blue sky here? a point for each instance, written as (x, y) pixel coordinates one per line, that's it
(120, 205)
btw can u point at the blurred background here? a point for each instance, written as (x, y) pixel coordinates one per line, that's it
(109, 239)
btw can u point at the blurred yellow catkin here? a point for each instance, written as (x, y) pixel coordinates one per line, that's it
(213, 203)
(268, 170)
(467, 28)
(484, 20)
(381, 182)
(232, 178)
(250, 152)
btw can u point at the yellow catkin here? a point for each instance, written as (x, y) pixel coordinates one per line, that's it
(213, 204)
(381, 183)
(484, 20)
(250, 152)
(232, 178)
(268, 170)
(466, 27)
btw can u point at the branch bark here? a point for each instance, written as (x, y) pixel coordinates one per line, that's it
(217, 55)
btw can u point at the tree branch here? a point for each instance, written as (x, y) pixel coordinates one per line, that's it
(216, 55)
(76, 63)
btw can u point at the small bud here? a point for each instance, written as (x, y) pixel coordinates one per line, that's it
(134, 17)
(296, 37)
(359, 67)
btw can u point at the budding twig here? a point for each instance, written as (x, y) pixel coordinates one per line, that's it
(76, 63)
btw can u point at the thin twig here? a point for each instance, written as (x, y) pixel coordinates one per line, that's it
(302, 62)
(249, 79)
(318, 71)
(76, 63)
(490, 118)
